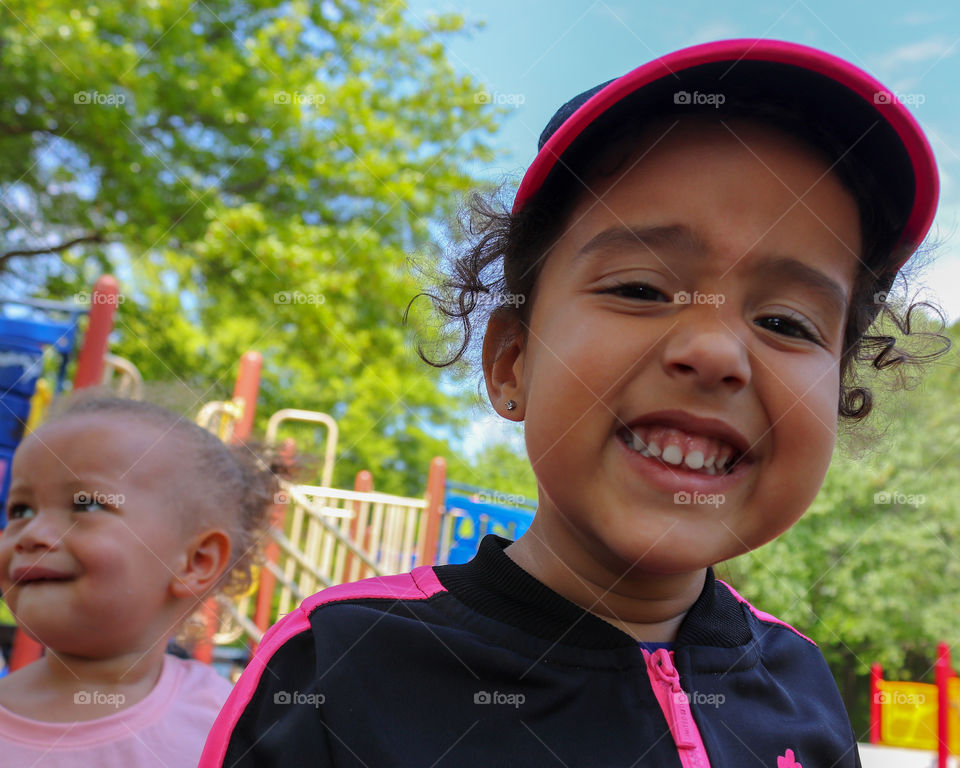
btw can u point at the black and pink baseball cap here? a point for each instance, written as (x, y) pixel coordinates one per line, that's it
(863, 118)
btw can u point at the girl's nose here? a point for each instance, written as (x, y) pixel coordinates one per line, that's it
(706, 351)
(44, 531)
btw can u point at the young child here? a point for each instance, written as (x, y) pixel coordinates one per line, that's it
(702, 245)
(122, 518)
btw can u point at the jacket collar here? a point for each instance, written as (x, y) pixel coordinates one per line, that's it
(496, 587)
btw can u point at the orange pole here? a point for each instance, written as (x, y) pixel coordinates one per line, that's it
(268, 581)
(436, 486)
(364, 484)
(103, 305)
(245, 393)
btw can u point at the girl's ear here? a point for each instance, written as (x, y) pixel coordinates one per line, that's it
(205, 559)
(502, 358)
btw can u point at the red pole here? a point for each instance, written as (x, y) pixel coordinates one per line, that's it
(268, 580)
(942, 674)
(363, 484)
(103, 305)
(436, 485)
(245, 393)
(876, 706)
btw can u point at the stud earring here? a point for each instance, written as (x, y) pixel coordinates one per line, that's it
(511, 405)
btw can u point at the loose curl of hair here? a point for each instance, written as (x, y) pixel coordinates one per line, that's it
(504, 253)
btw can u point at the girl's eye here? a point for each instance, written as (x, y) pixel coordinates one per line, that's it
(87, 502)
(640, 291)
(19, 512)
(788, 326)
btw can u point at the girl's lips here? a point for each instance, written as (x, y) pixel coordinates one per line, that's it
(679, 479)
(31, 574)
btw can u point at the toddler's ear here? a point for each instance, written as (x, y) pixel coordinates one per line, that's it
(204, 560)
(502, 358)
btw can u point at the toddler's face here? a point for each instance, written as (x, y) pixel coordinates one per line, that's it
(94, 534)
(693, 311)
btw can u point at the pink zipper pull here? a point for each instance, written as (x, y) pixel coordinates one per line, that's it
(681, 723)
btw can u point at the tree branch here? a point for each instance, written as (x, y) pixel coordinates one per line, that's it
(96, 237)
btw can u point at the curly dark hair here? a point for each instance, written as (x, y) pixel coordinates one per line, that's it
(503, 252)
(241, 483)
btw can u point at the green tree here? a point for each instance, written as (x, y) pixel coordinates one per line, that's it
(257, 175)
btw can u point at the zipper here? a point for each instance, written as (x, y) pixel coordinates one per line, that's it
(675, 705)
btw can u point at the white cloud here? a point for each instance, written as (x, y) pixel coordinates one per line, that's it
(923, 50)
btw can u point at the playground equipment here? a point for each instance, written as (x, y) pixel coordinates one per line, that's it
(918, 715)
(468, 518)
(320, 535)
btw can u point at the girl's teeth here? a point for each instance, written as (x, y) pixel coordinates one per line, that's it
(672, 454)
(715, 464)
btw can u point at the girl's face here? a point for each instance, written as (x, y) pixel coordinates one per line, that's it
(696, 301)
(95, 534)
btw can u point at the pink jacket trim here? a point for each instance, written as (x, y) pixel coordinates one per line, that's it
(420, 584)
(763, 615)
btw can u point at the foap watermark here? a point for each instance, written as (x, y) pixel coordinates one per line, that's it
(103, 499)
(502, 499)
(901, 698)
(282, 497)
(93, 299)
(300, 99)
(892, 97)
(502, 299)
(903, 499)
(500, 99)
(95, 98)
(115, 700)
(880, 297)
(699, 698)
(498, 697)
(298, 297)
(297, 697)
(685, 297)
(685, 97)
(695, 497)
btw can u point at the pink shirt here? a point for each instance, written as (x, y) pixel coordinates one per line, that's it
(167, 728)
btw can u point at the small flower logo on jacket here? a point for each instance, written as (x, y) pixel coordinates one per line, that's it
(787, 760)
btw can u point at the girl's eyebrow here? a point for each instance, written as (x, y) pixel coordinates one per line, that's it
(677, 236)
(786, 269)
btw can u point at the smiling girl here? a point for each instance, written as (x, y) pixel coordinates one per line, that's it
(122, 518)
(700, 247)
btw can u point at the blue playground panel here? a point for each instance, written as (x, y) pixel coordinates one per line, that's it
(22, 341)
(475, 519)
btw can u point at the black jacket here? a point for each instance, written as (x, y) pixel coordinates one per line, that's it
(482, 665)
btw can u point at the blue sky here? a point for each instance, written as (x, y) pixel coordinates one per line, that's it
(539, 53)
(536, 54)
